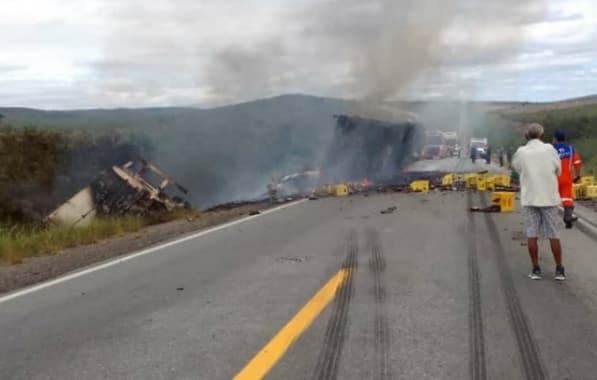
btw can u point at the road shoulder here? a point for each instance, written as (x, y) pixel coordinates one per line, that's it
(39, 269)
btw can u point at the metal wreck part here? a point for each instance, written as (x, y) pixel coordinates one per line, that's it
(121, 190)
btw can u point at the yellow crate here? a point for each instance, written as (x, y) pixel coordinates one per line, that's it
(502, 180)
(341, 190)
(505, 200)
(490, 183)
(481, 184)
(420, 186)
(459, 177)
(448, 180)
(471, 180)
(578, 191)
(591, 192)
(587, 180)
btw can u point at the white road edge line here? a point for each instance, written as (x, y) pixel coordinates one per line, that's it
(122, 259)
(585, 223)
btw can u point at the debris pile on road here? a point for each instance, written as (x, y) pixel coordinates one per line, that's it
(121, 190)
(389, 210)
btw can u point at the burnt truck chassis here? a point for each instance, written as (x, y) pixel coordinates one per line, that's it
(118, 191)
(125, 191)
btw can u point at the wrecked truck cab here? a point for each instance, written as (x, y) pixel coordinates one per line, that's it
(121, 190)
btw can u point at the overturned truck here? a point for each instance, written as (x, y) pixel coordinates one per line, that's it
(372, 149)
(137, 188)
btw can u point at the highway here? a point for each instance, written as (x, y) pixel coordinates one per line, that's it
(323, 289)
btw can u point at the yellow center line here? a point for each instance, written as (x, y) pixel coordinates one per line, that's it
(265, 359)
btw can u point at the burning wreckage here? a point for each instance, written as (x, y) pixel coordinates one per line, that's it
(362, 150)
(122, 190)
(372, 149)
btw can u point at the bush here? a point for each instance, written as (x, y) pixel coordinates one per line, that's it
(18, 243)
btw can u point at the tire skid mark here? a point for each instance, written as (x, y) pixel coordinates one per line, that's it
(331, 351)
(377, 265)
(477, 365)
(529, 352)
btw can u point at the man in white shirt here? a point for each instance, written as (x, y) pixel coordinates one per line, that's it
(539, 166)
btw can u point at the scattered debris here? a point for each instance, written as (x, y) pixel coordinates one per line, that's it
(180, 289)
(253, 213)
(292, 259)
(121, 190)
(518, 235)
(389, 210)
(492, 208)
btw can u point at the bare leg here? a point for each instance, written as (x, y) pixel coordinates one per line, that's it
(556, 249)
(534, 251)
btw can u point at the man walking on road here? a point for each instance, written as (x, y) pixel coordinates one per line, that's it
(538, 165)
(571, 162)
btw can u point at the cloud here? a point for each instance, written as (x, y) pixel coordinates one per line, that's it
(133, 52)
(9, 68)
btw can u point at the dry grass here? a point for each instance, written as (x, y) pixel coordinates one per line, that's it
(21, 242)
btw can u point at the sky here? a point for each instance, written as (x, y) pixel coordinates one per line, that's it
(67, 54)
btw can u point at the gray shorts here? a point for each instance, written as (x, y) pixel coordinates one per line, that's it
(542, 221)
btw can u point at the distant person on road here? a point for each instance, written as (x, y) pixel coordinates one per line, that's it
(488, 155)
(501, 157)
(474, 153)
(538, 165)
(571, 166)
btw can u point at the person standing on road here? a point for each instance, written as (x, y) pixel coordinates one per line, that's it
(538, 165)
(571, 166)
(488, 155)
(473, 153)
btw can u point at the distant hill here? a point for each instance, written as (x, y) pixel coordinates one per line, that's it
(220, 154)
(576, 117)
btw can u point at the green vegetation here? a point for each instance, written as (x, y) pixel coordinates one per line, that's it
(41, 168)
(580, 125)
(219, 154)
(20, 242)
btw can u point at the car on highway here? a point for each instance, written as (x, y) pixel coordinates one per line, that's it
(435, 146)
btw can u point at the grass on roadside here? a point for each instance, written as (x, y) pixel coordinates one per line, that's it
(20, 242)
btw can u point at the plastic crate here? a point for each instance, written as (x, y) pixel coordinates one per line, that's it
(505, 200)
(421, 186)
(579, 191)
(502, 180)
(341, 190)
(587, 180)
(448, 180)
(481, 184)
(591, 192)
(490, 183)
(471, 180)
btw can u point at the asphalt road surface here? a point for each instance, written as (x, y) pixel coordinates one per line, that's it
(324, 289)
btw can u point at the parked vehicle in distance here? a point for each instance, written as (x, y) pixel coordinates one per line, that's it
(480, 144)
(435, 146)
(452, 141)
